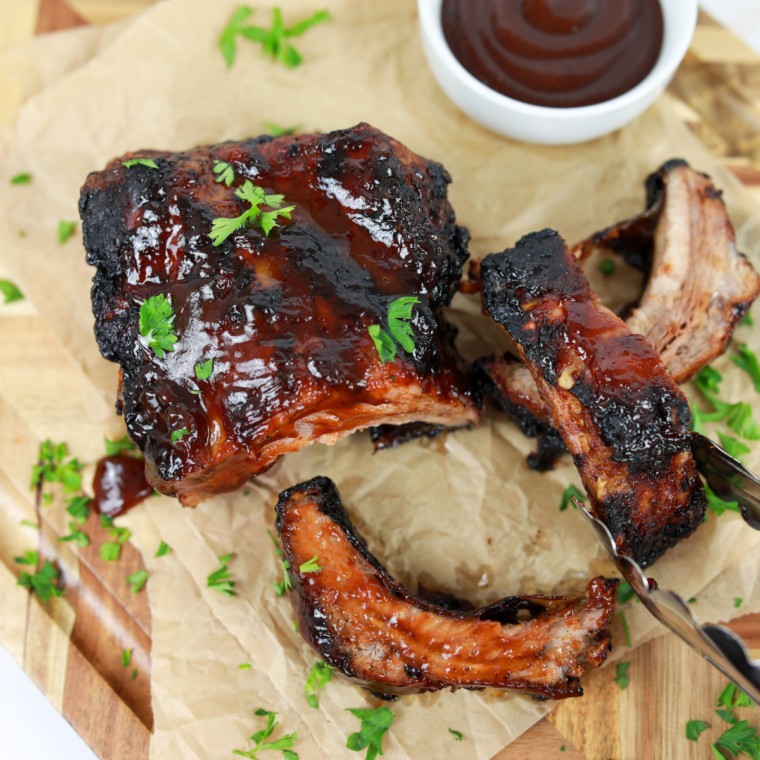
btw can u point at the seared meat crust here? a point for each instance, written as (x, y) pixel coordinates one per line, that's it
(378, 635)
(285, 318)
(624, 420)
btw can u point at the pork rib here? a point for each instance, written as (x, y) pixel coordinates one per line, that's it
(284, 317)
(621, 416)
(378, 635)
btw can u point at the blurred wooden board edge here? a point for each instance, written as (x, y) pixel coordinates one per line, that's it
(586, 721)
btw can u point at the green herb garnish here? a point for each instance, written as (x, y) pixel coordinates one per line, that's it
(625, 628)
(621, 674)
(149, 162)
(311, 566)
(223, 227)
(220, 579)
(10, 292)
(399, 312)
(276, 131)
(53, 469)
(285, 584)
(109, 551)
(694, 728)
(733, 448)
(126, 657)
(567, 501)
(30, 557)
(21, 179)
(225, 171)
(157, 324)
(740, 738)
(244, 666)
(284, 744)
(177, 435)
(42, 583)
(607, 267)
(375, 723)
(319, 676)
(163, 549)
(748, 321)
(738, 602)
(65, 230)
(82, 539)
(458, 736)
(747, 360)
(718, 505)
(117, 448)
(137, 581)
(625, 592)
(203, 371)
(29, 524)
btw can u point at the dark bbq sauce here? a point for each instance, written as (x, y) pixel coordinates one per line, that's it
(558, 53)
(119, 485)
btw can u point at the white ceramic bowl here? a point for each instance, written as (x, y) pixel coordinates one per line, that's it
(554, 126)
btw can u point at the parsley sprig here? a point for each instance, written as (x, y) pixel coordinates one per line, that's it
(223, 227)
(43, 582)
(567, 501)
(275, 41)
(737, 416)
(53, 468)
(157, 324)
(399, 312)
(285, 743)
(319, 676)
(149, 162)
(285, 584)
(220, 579)
(375, 723)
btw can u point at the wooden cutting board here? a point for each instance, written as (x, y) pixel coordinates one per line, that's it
(72, 649)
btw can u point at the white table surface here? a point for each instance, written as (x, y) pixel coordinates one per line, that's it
(30, 727)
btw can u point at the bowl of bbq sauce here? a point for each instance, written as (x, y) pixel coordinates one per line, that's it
(555, 71)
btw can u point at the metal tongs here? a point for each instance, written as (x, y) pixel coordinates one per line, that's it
(729, 479)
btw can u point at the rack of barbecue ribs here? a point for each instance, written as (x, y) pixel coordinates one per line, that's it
(246, 329)
(622, 417)
(698, 288)
(378, 635)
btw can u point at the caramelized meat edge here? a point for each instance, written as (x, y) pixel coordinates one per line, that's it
(378, 635)
(621, 416)
(699, 287)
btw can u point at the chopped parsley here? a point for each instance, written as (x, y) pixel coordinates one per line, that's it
(79, 509)
(694, 728)
(747, 360)
(110, 552)
(157, 324)
(566, 500)
(177, 435)
(375, 723)
(116, 448)
(30, 557)
(149, 162)
(285, 584)
(220, 579)
(621, 674)
(276, 131)
(163, 549)
(748, 321)
(733, 448)
(126, 657)
(319, 676)
(737, 416)
(134, 674)
(225, 171)
(223, 227)
(458, 736)
(82, 539)
(727, 716)
(10, 292)
(244, 666)
(29, 524)
(739, 738)
(47, 499)
(625, 592)
(295, 625)
(625, 628)
(284, 744)
(311, 566)
(21, 179)
(718, 505)
(399, 312)
(65, 230)
(733, 697)
(137, 581)
(43, 582)
(53, 469)
(106, 521)
(203, 371)
(738, 602)
(607, 267)
(275, 41)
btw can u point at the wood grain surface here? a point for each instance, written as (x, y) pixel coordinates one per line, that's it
(72, 647)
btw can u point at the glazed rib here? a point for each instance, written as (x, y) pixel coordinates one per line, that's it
(378, 635)
(699, 286)
(623, 419)
(284, 317)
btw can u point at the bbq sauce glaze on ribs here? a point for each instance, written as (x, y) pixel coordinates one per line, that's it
(698, 288)
(378, 635)
(285, 318)
(621, 416)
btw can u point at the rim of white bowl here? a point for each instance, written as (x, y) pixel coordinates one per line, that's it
(430, 18)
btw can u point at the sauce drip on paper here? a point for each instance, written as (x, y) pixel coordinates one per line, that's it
(119, 484)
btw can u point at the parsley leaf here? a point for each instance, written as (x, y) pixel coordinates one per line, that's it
(219, 579)
(625, 628)
(65, 230)
(53, 469)
(726, 697)
(225, 171)
(223, 227)
(29, 524)
(319, 676)
(21, 179)
(149, 162)
(311, 566)
(116, 448)
(741, 738)
(383, 343)
(727, 716)
(137, 581)
(42, 583)
(621, 674)
(742, 700)
(126, 657)
(733, 448)
(285, 584)
(106, 521)
(566, 500)
(694, 728)
(30, 557)
(607, 267)
(231, 31)
(738, 602)
(163, 549)
(110, 552)
(177, 435)
(284, 744)
(10, 292)
(203, 371)
(276, 131)
(157, 324)
(375, 723)
(747, 360)
(625, 592)
(82, 539)
(748, 321)
(244, 666)
(399, 311)
(717, 504)
(457, 734)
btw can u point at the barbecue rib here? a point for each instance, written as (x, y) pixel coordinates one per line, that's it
(699, 287)
(621, 416)
(285, 317)
(378, 635)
